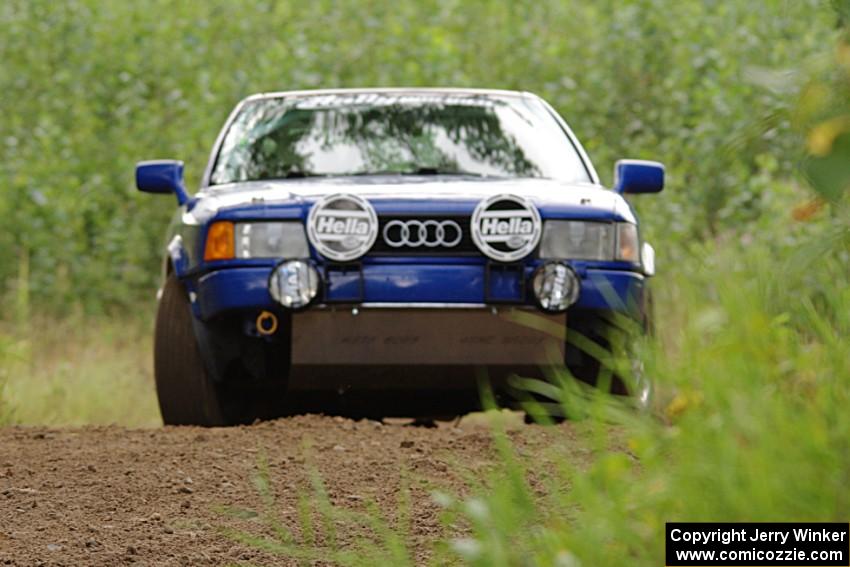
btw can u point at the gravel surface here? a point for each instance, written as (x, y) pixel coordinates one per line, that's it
(116, 496)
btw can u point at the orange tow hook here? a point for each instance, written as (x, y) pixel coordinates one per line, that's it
(266, 323)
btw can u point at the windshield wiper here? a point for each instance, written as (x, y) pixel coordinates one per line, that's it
(295, 175)
(419, 171)
(437, 171)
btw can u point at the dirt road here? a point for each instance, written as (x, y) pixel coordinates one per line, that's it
(113, 496)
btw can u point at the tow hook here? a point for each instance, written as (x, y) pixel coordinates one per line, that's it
(266, 323)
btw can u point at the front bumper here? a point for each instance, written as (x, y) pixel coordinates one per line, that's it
(391, 327)
(438, 284)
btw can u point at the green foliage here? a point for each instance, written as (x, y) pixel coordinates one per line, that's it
(824, 114)
(90, 87)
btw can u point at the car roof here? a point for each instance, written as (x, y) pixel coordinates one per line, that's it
(393, 90)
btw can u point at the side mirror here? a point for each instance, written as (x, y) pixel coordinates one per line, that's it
(638, 176)
(162, 176)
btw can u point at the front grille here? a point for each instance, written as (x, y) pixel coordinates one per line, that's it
(416, 243)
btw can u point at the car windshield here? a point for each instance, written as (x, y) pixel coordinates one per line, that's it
(396, 134)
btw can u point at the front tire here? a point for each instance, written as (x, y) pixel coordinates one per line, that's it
(187, 395)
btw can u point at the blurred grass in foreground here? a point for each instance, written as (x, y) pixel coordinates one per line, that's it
(750, 424)
(77, 371)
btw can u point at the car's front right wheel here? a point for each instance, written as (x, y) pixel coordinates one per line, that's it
(188, 395)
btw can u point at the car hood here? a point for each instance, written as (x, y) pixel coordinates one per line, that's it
(427, 194)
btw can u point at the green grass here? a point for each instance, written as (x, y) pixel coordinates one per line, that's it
(78, 371)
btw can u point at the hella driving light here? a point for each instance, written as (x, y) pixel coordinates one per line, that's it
(556, 286)
(577, 240)
(271, 240)
(294, 284)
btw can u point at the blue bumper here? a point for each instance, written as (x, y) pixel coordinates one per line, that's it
(245, 288)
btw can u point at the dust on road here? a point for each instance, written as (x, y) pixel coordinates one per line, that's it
(116, 496)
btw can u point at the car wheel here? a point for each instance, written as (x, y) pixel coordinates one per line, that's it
(187, 395)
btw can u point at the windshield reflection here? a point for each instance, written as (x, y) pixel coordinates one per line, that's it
(369, 133)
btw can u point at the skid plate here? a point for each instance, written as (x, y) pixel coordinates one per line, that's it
(472, 336)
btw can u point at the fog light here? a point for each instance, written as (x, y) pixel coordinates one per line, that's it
(556, 286)
(294, 284)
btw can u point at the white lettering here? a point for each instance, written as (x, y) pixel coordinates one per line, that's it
(327, 224)
(488, 226)
(324, 224)
(516, 225)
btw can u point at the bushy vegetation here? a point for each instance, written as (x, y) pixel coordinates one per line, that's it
(91, 87)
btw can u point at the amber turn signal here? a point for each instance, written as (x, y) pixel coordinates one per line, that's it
(627, 242)
(220, 242)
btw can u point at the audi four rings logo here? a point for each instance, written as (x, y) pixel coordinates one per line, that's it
(506, 227)
(429, 233)
(342, 227)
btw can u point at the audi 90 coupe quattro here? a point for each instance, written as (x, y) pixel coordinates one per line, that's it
(380, 251)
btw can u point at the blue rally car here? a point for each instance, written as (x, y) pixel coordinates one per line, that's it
(378, 251)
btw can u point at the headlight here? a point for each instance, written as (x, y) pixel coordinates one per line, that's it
(577, 240)
(556, 286)
(294, 284)
(589, 240)
(271, 240)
